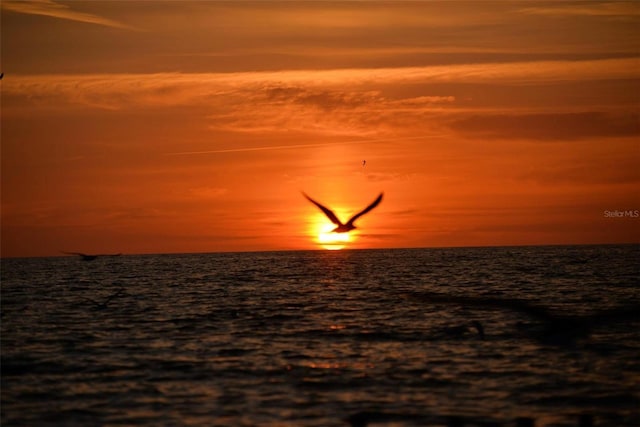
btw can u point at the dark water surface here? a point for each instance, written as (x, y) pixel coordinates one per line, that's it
(309, 338)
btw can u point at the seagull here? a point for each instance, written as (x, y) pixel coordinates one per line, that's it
(343, 228)
(364, 162)
(87, 257)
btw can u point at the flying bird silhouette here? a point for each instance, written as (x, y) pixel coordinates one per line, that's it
(88, 257)
(348, 226)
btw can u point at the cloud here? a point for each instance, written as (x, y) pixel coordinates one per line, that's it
(627, 10)
(621, 170)
(325, 88)
(331, 111)
(303, 86)
(347, 102)
(332, 100)
(242, 102)
(324, 99)
(55, 10)
(550, 126)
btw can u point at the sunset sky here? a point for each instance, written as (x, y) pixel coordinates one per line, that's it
(163, 127)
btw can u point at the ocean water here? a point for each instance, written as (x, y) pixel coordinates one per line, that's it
(313, 338)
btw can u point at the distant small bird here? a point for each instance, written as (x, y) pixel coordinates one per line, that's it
(343, 228)
(88, 257)
(364, 162)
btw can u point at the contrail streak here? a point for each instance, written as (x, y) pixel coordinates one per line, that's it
(285, 147)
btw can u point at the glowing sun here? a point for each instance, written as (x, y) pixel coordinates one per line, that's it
(321, 233)
(332, 241)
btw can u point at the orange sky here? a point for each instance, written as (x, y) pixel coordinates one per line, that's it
(153, 127)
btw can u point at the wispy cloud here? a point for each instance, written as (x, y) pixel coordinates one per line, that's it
(607, 9)
(344, 102)
(319, 87)
(551, 126)
(56, 10)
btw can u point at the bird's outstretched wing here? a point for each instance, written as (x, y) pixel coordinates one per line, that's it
(328, 212)
(367, 209)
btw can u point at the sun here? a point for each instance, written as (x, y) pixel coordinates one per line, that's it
(321, 230)
(333, 241)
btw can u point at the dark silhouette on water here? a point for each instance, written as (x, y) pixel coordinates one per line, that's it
(461, 331)
(348, 226)
(370, 418)
(366, 418)
(525, 422)
(89, 257)
(104, 304)
(555, 329)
